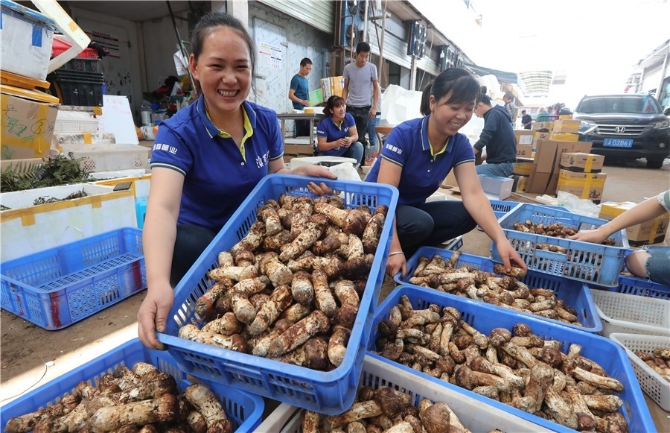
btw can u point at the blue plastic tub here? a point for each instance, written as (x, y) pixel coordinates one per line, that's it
(485, 318)
(586, 262)
(57, 287)
(324, 392)
(573, 293)
(244, 409)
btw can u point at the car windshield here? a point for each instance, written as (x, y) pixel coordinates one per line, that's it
(639, 104)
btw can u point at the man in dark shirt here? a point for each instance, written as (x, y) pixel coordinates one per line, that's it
(498, 138)
(526, 120)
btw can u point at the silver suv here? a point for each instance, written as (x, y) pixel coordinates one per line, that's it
(626, 126)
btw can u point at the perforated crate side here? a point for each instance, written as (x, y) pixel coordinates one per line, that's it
(59, 286)
(572, 293)
(610, 356)
(325, 392)
(245, 410)
(641, 287)
(652, 383)
(632, 314)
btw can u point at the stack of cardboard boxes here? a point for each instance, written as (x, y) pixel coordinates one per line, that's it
(650, 232)
(332, 86)
(581, 175)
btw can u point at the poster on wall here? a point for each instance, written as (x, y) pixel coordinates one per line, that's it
(270, 55)
(111, 42)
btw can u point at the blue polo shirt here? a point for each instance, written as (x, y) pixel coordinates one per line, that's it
(218, 175)
(332, 131)
(422, 171)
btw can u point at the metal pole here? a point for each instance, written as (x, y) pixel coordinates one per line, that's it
(381, 43)
(365, 21)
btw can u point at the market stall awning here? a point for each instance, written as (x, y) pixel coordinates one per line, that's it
(502, 76)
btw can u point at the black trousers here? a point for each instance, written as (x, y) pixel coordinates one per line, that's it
(191, 241)
(361, 116)
(431, 223)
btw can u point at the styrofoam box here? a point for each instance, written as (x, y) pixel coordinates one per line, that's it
(652, 383)
(140, 180)
(632, 314)
(110, 157)
(27, 229)
(26, 38)
(377, 373)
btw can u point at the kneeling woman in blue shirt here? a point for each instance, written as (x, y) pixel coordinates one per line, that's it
(336, 132)
(417, 156)
(205, 161)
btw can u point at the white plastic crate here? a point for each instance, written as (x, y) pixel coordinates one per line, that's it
(75, 121)
(632, 314)
(110, 157)
(657, 388)
(377, 373)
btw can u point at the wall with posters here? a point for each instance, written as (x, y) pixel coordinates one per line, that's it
(282, 42)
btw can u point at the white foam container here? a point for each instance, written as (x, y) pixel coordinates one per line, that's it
(320, 160)
(652, 383)
(26, 38)
(474, 415)
(27, 229)
(631, 314)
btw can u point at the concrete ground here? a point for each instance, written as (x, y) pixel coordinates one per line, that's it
(31, 356)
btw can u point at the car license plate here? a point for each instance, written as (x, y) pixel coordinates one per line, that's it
(617, 142)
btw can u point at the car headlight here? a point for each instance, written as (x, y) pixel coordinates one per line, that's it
(662, 124)
(587, 127)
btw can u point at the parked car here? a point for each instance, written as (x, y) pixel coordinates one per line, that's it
(626, 126)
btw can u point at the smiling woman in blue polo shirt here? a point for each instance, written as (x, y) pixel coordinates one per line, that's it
(336, 132)
(418, 155)
(205, 161)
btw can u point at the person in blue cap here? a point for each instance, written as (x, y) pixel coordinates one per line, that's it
(336, 133)
(416, 158)
(205, 161)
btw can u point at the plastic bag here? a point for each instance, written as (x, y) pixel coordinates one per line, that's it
(345, 171)
(578, 205)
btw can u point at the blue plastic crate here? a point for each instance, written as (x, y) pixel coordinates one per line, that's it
(590, 263)
(325, 392)
(485, 318)
(501, 207)
(57, 287)
(245, 410)
(640, 287)
(573, 293)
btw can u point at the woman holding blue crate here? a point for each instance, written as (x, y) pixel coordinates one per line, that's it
(416, 158)
(205, 161)
(652, 262)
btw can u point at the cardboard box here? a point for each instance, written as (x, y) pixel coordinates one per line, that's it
(524, 136)
(27, 127)
(564, 116)
(524, 150)
(569, 147)
(539, 136)
(520, 183)
(544, 155)
(583, 185)
(298, 150)
(563, 136)
(565, 125)
(547, 126)
(522, 168)
(583, 162)
(498, 188)
(552, 186)
(538, 182)
(650, 232)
